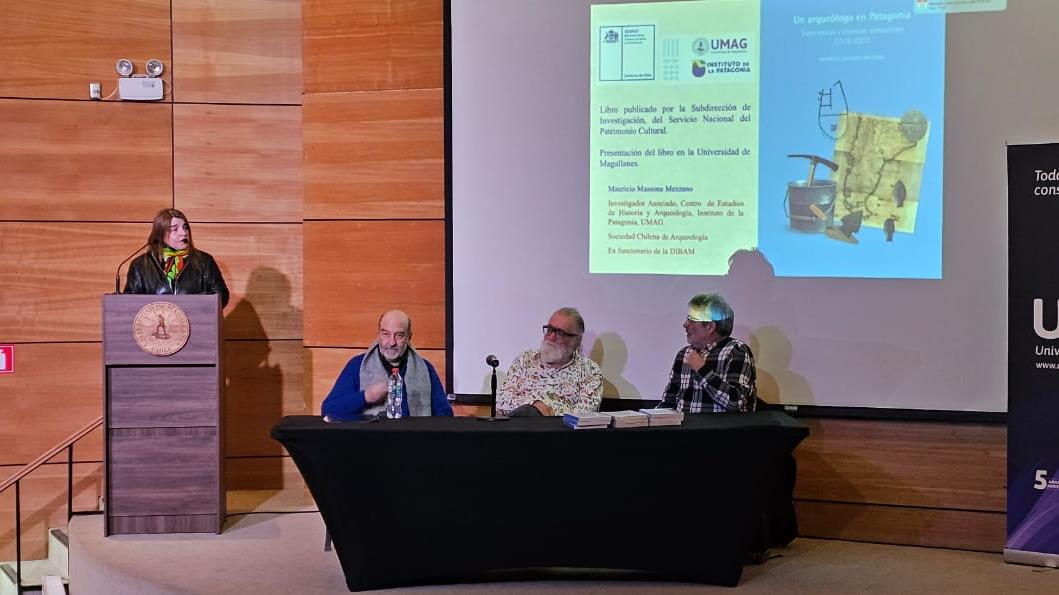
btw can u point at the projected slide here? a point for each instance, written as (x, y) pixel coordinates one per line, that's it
(811, 131)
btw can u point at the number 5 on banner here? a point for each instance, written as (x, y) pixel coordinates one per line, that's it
(1041, 480)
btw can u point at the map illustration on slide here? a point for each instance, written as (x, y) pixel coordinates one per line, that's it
(881, 168)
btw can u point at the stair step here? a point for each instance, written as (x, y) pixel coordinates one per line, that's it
(33, 573)
(61, 536)
(59, 551)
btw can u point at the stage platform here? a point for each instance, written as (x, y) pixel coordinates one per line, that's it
(262, 553)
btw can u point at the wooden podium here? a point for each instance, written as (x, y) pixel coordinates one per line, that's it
(163, 384)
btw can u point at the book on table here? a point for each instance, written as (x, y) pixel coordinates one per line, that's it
(581, 420)
(664, 417)
(628, 419)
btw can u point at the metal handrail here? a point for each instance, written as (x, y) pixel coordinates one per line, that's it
(14, 480)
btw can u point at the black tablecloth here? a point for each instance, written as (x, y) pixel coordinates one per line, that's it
(420, 500)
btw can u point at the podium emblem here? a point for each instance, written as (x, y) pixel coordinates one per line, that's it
(161, 328)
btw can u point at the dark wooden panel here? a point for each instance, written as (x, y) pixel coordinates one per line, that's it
(265, 382)
(323, 366)
(355, 271)
(90, 161)
(388, 146)
(957, 529)
(237, 51)
(174, 396)
(262, 265)
(53, 48)
(203, 341)
(177, 523)
(56, 390)
(163, 471)
(238, 163)
(929, 464)
(372, 44)
(44, 504)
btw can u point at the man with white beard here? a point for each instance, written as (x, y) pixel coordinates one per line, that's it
(555, 379)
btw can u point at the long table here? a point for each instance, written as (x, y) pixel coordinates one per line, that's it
(433, 500)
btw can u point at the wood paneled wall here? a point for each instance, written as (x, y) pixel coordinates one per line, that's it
(82, 180)
(373, 121)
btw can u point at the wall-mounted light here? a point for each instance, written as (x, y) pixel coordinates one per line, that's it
(154, 67)
(124, 67)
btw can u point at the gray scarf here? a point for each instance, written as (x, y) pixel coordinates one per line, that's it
(416, 381)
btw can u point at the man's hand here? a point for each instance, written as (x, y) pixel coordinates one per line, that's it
(375, 393)
(543, 408)
(693, 359)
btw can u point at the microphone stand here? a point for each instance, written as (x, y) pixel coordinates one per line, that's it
(492, 362)
(117, 273)
(492, 393)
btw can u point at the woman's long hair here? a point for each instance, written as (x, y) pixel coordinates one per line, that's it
(161, 227)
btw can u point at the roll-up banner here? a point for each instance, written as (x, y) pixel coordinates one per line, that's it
(1033, 355)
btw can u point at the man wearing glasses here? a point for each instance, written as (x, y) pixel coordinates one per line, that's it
(361, 387)
(555, 379)
(715, 372)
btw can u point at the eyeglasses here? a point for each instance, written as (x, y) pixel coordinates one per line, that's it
(548, 329)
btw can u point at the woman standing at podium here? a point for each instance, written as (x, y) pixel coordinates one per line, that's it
(173, 265)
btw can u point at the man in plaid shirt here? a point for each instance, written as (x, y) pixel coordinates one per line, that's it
(715, 372)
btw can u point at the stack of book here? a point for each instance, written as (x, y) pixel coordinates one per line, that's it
(664, 417)
(628, 419)
(586, 420)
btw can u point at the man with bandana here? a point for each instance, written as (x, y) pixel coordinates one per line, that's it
(555, 379)
(361, 388)
(715, 372)
(173, 265)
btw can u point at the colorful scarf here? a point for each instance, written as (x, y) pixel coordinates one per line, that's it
(173, 262)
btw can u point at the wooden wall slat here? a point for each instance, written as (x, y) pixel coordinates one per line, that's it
(372, 45)
(237, 51)
(355, 271)
(57, 389)
(933, 527)
(54, 48)
(375, 155)
(262, 473)
(323, 365)
(43, 502)
(929, 464)
(53, 277)
(84, 161)
(265, 382)
(238, 163)
(262, 265)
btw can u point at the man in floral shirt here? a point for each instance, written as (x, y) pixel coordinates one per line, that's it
(555, 379)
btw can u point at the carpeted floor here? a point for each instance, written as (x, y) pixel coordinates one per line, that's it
(266, 553)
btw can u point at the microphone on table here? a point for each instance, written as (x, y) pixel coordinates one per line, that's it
(117, 273)
(492, 362)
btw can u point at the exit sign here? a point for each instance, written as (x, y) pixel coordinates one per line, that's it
(7, 359)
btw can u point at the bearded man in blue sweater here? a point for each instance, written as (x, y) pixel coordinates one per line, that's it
(361, 388)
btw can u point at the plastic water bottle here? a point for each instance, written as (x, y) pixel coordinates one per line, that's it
(394, 394)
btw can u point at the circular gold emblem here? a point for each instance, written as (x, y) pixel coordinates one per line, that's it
(161, 328)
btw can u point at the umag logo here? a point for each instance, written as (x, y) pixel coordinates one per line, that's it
(1038, 321)
(728, 44)
(698, 68)
(611, 36)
